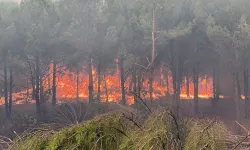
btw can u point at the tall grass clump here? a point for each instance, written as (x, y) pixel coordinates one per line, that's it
(162, 130)
(34, 140)
(104, 132)
(206, 134)
(74, 113)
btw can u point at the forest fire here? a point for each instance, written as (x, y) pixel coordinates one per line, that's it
(111, 90)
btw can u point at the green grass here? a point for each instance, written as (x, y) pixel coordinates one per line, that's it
(116, 131)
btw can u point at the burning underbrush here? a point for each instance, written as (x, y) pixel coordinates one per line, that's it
(161, 130)
(70, 85)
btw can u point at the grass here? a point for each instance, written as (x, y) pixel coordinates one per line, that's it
(209, 134)
(121, 131)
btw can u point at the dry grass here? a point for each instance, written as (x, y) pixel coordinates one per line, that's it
(123, 131)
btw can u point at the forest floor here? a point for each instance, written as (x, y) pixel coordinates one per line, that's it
(224, 111)
(71, 113)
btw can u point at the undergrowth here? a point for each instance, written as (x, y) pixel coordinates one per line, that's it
(118, 131)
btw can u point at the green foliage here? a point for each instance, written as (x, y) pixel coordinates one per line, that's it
(160, 131)
(112, 131)
(206, 134)
(36, 140)
(103, 132)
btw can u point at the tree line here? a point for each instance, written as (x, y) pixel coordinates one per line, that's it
(190, 38)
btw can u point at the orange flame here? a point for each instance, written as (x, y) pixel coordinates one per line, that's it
(111, 89)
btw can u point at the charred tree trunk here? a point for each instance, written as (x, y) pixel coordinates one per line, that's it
(91, 100)
(178, 92)
(151, 76)
(7, 114)
(187, 84)
(173, 68)
(49, 86)
(238, 86)
(176, 77)
(11, 89)
(237, 100)
(37, 87)
(217, 85)
(106, 88)
(196, 87)
(246, 92)
(32, 80)
(167, 92)
(178, 82)
(99, 82)
(122, 79)
(214, 88)
(54, 84)
(77, 85)
(134, 84)
(33, 88)
(139, 82)
(42, 100)
(27, 88)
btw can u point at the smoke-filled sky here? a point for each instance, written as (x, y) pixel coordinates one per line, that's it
(11, 0)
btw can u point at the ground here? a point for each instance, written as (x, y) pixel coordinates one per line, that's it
(225, 111)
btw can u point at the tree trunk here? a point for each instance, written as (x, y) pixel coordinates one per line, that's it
(99, 82)
(173, 69)
(54, 84)
(246, 92)
(11, 89)
(217, 85)
(187, 84)
(91, 100)
(134, 83)
(33, 88)
(237, 100)
(238, 86)
(196, 87)
(139, 83)
(106, 88)
(151, 76)
(37, 87)
(41, 91)
(77, 85)
(177, 96)
(27, 88)
(122, 79)
(49, 88)
(176, 76)
(32, 80)
(178, 85)
(167, 82)
(6, 89)
(214, 88)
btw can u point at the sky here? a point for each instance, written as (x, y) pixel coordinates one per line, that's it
(11, 0)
